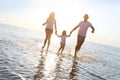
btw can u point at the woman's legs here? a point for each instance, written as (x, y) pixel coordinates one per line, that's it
(48, 37)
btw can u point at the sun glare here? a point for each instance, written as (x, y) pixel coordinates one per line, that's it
(55, 40)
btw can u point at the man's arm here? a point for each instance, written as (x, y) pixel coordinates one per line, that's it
(74, 29)
(93, 29)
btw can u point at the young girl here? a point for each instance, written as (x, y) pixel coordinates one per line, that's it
(63, 41)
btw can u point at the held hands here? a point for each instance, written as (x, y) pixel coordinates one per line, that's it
(70, 33)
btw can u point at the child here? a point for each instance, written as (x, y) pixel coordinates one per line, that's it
(63, 41)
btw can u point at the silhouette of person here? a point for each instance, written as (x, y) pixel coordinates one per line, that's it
(83, 27)
(50, 23)
(63, 41)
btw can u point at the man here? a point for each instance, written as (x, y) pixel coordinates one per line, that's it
(83, 27)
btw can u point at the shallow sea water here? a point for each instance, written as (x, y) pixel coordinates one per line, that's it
(21, 59)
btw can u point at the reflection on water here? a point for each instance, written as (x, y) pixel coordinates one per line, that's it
(19, 56)
(58, 70)
(73, 72)
(40, 72)
(52, 67)
(46, 67)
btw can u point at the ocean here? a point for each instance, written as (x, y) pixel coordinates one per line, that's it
(21, 58)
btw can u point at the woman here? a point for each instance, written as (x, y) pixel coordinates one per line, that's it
(50, 23)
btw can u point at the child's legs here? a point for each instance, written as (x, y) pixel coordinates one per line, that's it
(62, 48)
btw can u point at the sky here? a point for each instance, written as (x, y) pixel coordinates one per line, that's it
(104, 16)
